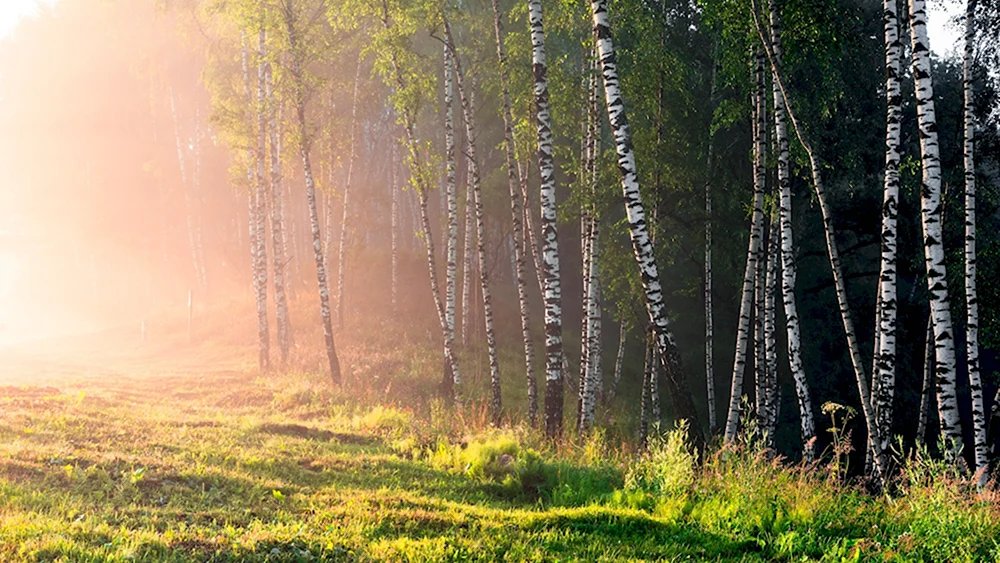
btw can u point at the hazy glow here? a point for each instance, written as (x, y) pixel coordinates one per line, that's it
(944, 33)
(12, 11)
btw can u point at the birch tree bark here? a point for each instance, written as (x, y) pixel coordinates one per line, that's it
(516, 213)
(348, 184)
(421, 181)
(277, 225)
(619, 358)
(394, 188)
(552, 295)
(770, 342)
(883, 381)
(930, 215)
(467, 257)
(317, 242)
(677, 384)
(927, 389)
(971, 297)
(753, 255)
(258, 259)
(496, 403)
(831, 246)
(451, 206)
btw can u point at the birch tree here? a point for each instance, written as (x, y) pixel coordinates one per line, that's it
(753, 255)
(931, 223)
(883, 380)
(496, 400)
(971, 297)
(516, 213)
(833, 253)
(279, 251)
(348, 184)
(296, 56)
(665, 345)
(450, 202)
(552, 295)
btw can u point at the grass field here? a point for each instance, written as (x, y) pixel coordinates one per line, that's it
(192, 456)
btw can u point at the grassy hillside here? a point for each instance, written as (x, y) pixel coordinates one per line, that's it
(181, 452)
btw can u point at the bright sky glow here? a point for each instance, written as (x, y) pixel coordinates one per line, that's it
(13, 11)
(945, 33)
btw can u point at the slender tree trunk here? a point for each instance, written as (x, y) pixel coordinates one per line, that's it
(422, 183)
(516, 213)
(593, 375)
(188, 204)
(470, 131)
(552, 294)
(930, 212)
(684, 408)
(467, 257)
(317, 242)
(277, 227)
(394, 187)
(530, 240)
(258, 259)
(770, 342)
(646, 406)
(619, 358)
(753, 256)
(348, 184)
(449, 384)
(709, 329)
(760, 343)
(927, 389)
(883, 380)
(971, 297)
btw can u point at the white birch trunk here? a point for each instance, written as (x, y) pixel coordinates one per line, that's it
(971, 297)
(394, 188)
(770, 342)
(883, 380)
(788, 269)
(516, 213)
(753, 255)
(258, 260)
(279, 245)
(317, 242)
(552, 294)
(834, 255)
(930, 215)
(496, 402)
(678, 388)
(451, 207)
(346, 203)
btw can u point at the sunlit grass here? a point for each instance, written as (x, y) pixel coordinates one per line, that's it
(176, 463)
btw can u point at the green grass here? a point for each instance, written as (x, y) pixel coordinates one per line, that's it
(225, 465)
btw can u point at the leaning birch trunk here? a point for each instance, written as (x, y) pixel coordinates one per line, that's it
(552, 295)
(788, 268)
(753, 255)
(317, 242)
(884, 378)
(971, 297)
(420, 180)
(449, 384)
(516, 213)
(496, 403)
(277, 227)
(831, 246)
(680, 394)
(930, 215)
(258, 261)
(345, 218)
